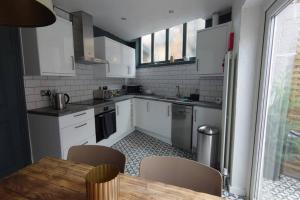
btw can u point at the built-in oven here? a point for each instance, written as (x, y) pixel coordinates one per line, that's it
(105, 120)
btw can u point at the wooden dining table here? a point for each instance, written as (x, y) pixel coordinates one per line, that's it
(55, 179)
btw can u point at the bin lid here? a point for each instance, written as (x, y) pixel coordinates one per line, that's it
(208, 130)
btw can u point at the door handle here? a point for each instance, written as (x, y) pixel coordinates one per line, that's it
(81, 125)
(73, 62)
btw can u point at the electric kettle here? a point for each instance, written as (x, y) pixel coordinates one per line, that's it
(60, 100)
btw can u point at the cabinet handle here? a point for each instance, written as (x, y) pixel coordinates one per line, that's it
(168, 111)
(197, 65)
(195, 116)
(148, 107)
(81, 125)
(117, 110)
(73, 62)
(128, 70)
(85, 143)
(80, 114)
(108, 67)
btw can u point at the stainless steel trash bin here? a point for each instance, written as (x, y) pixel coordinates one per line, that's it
(208, 145)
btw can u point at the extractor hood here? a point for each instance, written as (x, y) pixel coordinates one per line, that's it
(84, 39)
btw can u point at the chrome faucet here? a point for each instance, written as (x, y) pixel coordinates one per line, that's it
(178, 91)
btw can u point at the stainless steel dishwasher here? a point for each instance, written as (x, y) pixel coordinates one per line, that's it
(182, 126)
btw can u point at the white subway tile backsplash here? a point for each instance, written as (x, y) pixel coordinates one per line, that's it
(79, 88)
(163, 81)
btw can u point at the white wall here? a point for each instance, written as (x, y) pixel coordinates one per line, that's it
(249, 50)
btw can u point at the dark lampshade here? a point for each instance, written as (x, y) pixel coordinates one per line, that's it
(26, 13)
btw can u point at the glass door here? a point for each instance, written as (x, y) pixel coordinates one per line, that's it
(276, 173)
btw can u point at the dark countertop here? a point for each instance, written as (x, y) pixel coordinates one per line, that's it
(159, 98)
(71, 108)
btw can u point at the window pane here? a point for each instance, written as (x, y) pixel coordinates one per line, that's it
(192, 28)
(176, 41)
(146, 49)
(160, 46)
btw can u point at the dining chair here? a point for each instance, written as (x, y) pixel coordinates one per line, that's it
(183, 173)
(96, 155)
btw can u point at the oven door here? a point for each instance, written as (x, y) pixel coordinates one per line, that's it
(105, 125)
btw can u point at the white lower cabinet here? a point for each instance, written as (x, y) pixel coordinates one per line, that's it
(53, 136)
(124, 116)
(155, 117)
(205, 116)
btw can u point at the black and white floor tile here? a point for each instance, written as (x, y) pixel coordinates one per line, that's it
(138, 145)
(286, 188)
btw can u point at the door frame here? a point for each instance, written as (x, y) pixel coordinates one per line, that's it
(257, 164)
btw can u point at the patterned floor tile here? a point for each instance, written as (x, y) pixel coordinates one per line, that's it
(137, 146)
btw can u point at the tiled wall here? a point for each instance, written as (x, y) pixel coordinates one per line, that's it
(163, 81)
(79, 88)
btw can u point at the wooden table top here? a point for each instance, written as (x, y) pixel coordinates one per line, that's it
(54, 179)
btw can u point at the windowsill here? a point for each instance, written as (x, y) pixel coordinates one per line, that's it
(160, 64)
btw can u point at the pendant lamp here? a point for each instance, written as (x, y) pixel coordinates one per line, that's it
(26, 13)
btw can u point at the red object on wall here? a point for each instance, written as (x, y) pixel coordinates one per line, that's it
(231, 41)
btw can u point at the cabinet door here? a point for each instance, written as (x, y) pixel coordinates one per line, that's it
(211, 49)
(128, 61)
(205, 116)
(113, 54)
(160, 119)
(56, 49)
(141, 113)
(124, 121)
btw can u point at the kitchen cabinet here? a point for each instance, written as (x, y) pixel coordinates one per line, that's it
(49, 51)
(53, 136)
(121, 59)
(154, 117)
(124, 116)
(212, 44)
(142, 117)
(205, 116)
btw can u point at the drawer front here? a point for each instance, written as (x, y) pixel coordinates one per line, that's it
(75, 134)
(75, 118)
(90, 141)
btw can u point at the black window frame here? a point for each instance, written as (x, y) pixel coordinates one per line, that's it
(166, 62)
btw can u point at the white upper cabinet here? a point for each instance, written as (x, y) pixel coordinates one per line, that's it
(121, 58)
(212, 44)
(49, 51)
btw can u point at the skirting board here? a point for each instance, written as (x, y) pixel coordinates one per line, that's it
(166, 140)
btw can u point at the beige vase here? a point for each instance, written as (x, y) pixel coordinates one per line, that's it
(102, 183)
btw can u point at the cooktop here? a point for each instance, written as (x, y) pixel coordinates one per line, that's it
(92, 102)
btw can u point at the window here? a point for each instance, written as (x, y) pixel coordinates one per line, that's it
(176, 42)
(191, 36)
(146, 49)
(160, 46)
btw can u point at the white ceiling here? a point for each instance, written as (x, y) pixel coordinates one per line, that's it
(143, 16)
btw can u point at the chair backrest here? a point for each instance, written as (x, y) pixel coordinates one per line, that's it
(96, 155)
(183, 173)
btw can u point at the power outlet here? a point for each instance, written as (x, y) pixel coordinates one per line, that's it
(45, 93)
